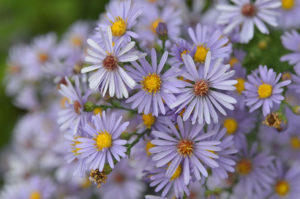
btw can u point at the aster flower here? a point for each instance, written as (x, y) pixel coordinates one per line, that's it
(296, 80)
(253, 169)
(202, 94)
(106, 60)
(207, 39)
(291, 41)
(73, 115)
(178, 49)
(247, 14)
(103, 144)
(288, 12)
(238, 123)
(186, 146)
(166, 184)
(149, 21)
(121, 16)
(263, 89)
(287, 181)
(226, 154)
(122, 183)
(156, 87)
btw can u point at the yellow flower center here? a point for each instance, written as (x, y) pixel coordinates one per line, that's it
(76, 41)
(264, 91)
(287, 4)
(148, 146)
(118, 28)
(286, 76)
(244, 167)
(35, 195)
(282, 187)
(233, 61)
(148, 120)
(151, 83)
(295, 142)
(185, 147)
(97, 111)
(231, 125)
(240, 85)
(155, 24)
(177, 173)
(103, 140)
(201, 53)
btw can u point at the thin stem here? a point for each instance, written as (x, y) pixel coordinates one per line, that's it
(104, 107)
(129, 146)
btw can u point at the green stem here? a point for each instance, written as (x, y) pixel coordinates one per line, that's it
(104, 107)
(129, 146)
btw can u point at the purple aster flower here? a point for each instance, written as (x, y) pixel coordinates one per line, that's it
(291, 41)
(238, 123)
(203, 92)
(290, 10)
(103, 143)
(254, 172)
(246, 14)
(287, 181)
(179, 48)
(121, 16)
(187, 146)
(122, 183)
(226, 154)
(207, 39)
(263, 89)
(174, 183)
(72, 151)
(155, 86)
(72, 116)
(296, 81)
(152, 16)
(106, 60)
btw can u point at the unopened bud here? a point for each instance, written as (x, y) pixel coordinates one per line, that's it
(162, 30)
(89, 106)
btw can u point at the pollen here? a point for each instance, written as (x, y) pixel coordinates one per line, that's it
(295, 142)
(287, 4)
(200, 54)
(151, 83)
(248, 10)
(264, 91)
(76, 41)
(273, 120)
(244, 167)
(231, 125)
(35, 195)
(148, 146)
(177, 173)
(103, 140)
(110, 62)
(118, 27)
(185, 147)
(233, 61)
(97, 111)
(282, 188)
(148, 120)
(98, 177)
(201, 88)
(43, 57)
(155, 24)
(77, 107)
(240, 85)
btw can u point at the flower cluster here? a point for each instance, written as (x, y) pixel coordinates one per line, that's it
(158, 97)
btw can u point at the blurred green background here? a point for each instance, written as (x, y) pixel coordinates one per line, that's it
(20, 21)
